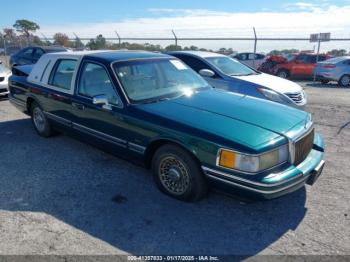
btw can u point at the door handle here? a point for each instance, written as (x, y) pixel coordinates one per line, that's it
(78, 106)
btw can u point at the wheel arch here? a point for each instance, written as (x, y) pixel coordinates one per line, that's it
(30, 100)
(157, 143)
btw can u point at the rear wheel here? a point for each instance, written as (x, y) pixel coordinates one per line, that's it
(344, 81)
(40, 121)
(283, 73)
(177, 173)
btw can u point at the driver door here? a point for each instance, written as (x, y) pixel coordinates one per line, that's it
(102, 122)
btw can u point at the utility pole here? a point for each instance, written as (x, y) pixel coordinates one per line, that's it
(318, 52)
(119, 39)
(255, 42)
(175, 37)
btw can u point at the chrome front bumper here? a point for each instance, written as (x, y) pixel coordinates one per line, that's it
(264, 190)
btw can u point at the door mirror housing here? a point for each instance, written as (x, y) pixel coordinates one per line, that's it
(101, 100)
(206, 73)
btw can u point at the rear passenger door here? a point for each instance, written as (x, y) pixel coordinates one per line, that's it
(56, 99)
(104, 123)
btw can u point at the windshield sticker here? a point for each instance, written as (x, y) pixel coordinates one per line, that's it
(178, 64)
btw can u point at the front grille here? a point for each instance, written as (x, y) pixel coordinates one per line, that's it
(296, 97)
(2, 79)
(303, 147)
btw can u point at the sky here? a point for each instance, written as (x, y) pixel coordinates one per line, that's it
(188, 18)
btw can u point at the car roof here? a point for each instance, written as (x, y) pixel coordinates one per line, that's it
(336, 59)
(109, 55)
(202, 54)
(122, 55)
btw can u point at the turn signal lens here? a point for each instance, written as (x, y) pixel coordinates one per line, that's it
(227, 159)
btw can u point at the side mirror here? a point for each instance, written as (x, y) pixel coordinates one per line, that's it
(101, 100)
(206, 73)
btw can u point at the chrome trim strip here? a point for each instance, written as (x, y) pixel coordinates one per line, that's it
(257, 190)
(319, 166)
(17, 101)
(98, 134)
(58, 119)
(229, 176)
(137, 148)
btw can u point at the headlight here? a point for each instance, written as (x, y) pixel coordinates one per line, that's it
(274, 96)
(252, 163)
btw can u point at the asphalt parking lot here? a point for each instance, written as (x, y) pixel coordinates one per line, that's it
(60, 196)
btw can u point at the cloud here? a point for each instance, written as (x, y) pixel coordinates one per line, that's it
(297, 20)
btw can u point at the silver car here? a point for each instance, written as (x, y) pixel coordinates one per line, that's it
(4, 75)
(335, 69)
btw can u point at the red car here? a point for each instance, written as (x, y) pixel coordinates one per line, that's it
(292, 65)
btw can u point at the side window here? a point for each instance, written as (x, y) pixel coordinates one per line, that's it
(302, 58)
(251, 56)
(322, 58)
(312, 59)
(194, 63)
(94, 80)
(38, 53)
(243, 57)
(62, 73)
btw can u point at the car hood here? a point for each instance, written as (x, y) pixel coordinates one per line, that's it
(239, 118)
(273, 82)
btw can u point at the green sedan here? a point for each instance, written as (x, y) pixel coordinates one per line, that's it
(152, 107)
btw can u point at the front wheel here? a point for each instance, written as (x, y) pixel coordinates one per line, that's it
(40, 122)
(344, 80)
(177, 174)
(283, 73)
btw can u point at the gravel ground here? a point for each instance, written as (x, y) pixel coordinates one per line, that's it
(59, 196)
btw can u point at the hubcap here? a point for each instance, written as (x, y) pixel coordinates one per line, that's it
(173, 175)
(39, 119)
(345, 80)
(282, 74)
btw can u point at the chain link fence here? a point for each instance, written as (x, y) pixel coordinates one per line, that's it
(226, 45)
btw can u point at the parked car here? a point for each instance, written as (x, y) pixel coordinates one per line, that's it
(4, 75)
(154, 108)
(250, 59)
(335, 69)
(30, 55)
(226, 73)
(300, 65)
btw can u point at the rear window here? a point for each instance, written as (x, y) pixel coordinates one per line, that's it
(62, 73)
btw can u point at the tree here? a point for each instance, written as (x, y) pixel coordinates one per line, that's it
(173, 48)
(61, 39)
(26, 27)
(98, 43)
(337, 52)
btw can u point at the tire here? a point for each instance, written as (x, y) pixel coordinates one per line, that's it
(40, 122)
(283, 74)
(344, 81)
(177, 174)
(324, 81)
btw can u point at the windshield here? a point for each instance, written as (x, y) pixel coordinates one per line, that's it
(156, 79)
(231, 66)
